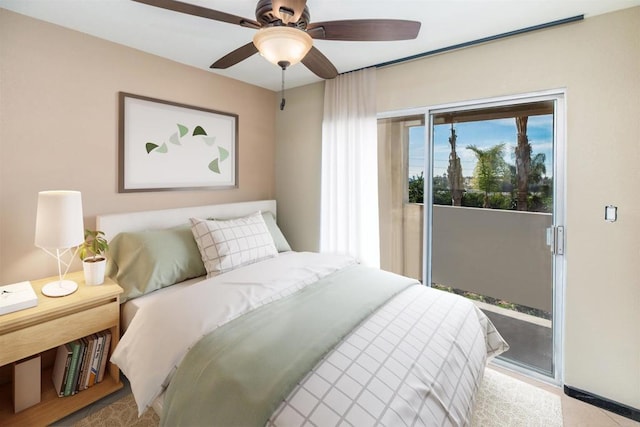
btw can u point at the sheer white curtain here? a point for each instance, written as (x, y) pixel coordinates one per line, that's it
(349, 207)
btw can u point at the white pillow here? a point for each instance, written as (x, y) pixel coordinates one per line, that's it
(228, 244)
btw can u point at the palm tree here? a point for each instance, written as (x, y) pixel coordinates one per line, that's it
(454, 171)
(489, 170)
(523, 162)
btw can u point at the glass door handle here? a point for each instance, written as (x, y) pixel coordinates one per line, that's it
(555, 239)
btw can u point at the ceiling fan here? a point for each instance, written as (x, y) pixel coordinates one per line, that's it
(285, 34)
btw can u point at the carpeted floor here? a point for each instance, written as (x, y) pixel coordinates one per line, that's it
(502, 402)
(122, 413)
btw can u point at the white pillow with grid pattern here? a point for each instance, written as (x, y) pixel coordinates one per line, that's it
(229, 244)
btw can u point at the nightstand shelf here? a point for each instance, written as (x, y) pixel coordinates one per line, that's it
(56, 321)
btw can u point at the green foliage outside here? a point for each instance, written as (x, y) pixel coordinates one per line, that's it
(490, 170)
(537, 202)
(416, 189)
(492, 186)
(541, 201)
(495, 301)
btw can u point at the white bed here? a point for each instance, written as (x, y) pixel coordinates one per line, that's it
(395, 367)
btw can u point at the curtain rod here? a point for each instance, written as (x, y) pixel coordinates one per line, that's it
(479, 41)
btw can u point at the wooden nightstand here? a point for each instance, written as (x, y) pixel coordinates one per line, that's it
(56, 321)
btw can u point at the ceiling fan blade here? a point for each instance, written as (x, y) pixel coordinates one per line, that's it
(236, 56)
(365, 30)
(319, 64)
(288, 10)
(203, 12)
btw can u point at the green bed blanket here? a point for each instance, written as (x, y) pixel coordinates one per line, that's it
(238, 374)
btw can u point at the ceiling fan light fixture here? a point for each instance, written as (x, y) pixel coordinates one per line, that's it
(282, 44)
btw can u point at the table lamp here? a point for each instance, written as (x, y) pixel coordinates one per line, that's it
(59, 228)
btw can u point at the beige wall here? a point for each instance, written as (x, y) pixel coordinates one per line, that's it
(58, 129)
(598, 62)
(298, 162)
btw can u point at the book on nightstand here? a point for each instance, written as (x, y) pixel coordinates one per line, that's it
(26, 383)
(61, 368)
(86, 365)
(105, 354)
(17, 296)
(95, 361)
(81, 363)
(72, 375)
(83, 371)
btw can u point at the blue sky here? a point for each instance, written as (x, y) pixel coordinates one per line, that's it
(483, 134)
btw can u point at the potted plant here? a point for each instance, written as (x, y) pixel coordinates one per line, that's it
(91, 252)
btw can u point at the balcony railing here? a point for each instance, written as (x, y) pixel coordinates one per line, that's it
(497, 253)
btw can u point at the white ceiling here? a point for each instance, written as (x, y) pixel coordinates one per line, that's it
(199, 42)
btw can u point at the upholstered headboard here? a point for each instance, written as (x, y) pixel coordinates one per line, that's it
(113, 224)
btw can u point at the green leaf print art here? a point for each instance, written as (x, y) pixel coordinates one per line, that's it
(181, 137)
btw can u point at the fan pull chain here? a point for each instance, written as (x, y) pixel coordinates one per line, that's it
(283, 65)
(282, 93)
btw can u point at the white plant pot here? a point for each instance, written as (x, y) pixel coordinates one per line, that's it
(94, 272)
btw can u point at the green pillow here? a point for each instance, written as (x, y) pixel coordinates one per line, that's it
(145, 261)
(278, 238)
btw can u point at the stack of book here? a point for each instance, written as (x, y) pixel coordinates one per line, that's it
(80, 364)
(17, 296)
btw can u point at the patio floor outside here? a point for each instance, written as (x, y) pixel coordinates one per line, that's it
(530, 339)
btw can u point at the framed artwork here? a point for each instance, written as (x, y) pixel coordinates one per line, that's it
(169, 146)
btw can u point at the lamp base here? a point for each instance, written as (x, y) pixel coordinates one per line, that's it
(59, 288)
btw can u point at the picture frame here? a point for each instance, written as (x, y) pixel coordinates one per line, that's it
(167, 146)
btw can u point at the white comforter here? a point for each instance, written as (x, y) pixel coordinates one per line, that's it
(417, 361)
(161, 333)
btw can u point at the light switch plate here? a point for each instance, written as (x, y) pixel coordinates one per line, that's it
(610, 213)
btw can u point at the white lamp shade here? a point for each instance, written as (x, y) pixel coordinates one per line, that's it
(59, 221)
(279, 44)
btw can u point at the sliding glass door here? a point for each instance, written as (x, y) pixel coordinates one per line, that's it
(483, 201)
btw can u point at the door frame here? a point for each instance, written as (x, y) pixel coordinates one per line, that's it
(559, 96)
